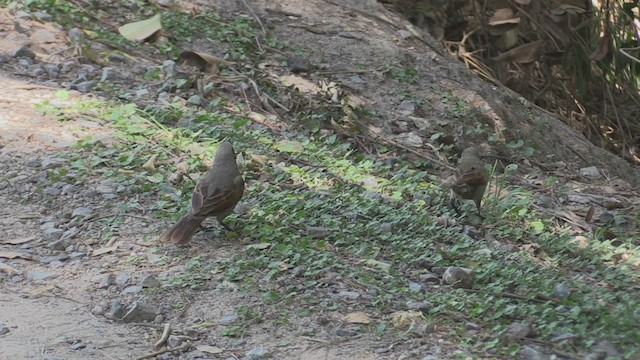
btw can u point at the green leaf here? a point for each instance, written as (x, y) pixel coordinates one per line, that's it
(537, 226)
(141, 30)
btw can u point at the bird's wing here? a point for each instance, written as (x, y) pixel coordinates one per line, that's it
(473, 176)
(215, 201)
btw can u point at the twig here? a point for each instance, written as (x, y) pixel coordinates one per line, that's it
(160, 352)
(264, 32)
(312, 339)
(165, 335)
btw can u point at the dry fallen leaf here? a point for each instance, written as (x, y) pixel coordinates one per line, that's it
(401, 319)
(523, 54)
(9, 269)
(151, 163)
(202, 61)
(18, 241)
(259, 246)
(209, 349)
(13, 255)
(357, 318)
(104, 250)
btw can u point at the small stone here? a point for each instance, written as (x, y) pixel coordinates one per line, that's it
(58, 245)
(32, 163)
(117, 310)
(529, 353)
(140, 312)
(562, 290)
(195, 100)
(36, 70)
(352, 295)
(76, 34)
(159, 319)
(49, 163)
(53, 234)
(40, 276)
(78, 346)
(123, 279)
(133, 289)
(590, 172)
(169, 68)
(97, 310)
(3, 329)
(84, 87)
(228, 319)
(16, 279)
(317, 232)
(42, 16)
(458, 277)
(106, 280)
(142, 92)
(22, 15)
(430, 278)
(82, 212)
(346, 332)
(472, 326)
(71, 233)
(51, 191)
(612, 204)
(257, 354)
(105, 189)
(26, 53)
(422, 306)
(298, 271)
(149, 281)
(415, 287)
(69, 189)
(77, 255)
(108, 74)
(407, 106)
(174, 341)
(404, 34)
(517, 331)
(50, 259)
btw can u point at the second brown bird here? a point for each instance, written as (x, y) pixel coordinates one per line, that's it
(216, 194)
(471, 179)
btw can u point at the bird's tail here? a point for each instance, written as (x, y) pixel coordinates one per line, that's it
(183, 230)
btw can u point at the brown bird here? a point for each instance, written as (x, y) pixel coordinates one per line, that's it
(216, 194)
(471, 179)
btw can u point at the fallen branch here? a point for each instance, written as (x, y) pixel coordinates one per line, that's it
(160, 352)
(165, 335)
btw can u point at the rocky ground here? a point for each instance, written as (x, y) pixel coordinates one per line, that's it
(86, 192)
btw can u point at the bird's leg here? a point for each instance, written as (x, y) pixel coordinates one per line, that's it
(478, 207)
(453, 202)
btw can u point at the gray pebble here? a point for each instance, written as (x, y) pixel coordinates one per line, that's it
(82, 212)
(133, 289)
(52, 234)
(50, 259)
(149, 281)
(40, 276)
(257, 353)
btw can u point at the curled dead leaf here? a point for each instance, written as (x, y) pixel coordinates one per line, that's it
(151, 163)
(523, 54)
(358, 317)
(202, 61)
(503, 16)
(141, 30)
(605, 44)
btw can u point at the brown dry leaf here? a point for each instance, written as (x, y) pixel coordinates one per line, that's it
(209, 349)
(522, 2)
(104, 250)
(401, 319)
(18, 241)
(523, 54)
(9, 269)
(151, 163)
(605, 43)
(202, 61)
(503, 16)
(13, 255)
(358, 317)
(589, 215)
